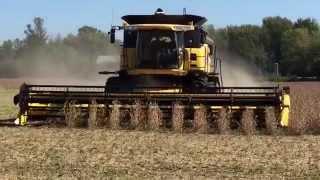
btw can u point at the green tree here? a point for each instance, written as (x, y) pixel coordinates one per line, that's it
(7, 50)
(295, 50)
(308, 23)
(36, 34)
(89, 41)
(314, 53)
(246, 41)
(274, 29)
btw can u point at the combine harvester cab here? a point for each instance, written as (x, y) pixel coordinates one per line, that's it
(169, 78)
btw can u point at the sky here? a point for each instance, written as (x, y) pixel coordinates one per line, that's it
(66, 16)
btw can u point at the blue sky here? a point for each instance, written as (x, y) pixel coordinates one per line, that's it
(66, 16)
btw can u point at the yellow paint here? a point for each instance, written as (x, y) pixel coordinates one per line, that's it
(234, 107)
(54, 105)
(40, 105)
(203, 61)
(175, 72)
(285, 110)
(174, 90)
(23, 120)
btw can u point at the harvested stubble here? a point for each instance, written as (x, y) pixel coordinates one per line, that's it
(115, 115)
(73, 114)
(223, 121)
(154, 116)
(60, 153)
(138, 116)
(271, 120)
(200, 119)
(97, 115)
(177, 117)
(248, 122)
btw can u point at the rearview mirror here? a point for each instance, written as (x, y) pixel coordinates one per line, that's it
(112, 35)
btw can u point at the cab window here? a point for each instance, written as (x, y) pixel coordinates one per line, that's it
(130, 39)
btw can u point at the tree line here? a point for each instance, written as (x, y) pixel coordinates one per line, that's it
(294, 45)
(76, 52)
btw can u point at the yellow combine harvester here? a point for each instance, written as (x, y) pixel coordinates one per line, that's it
(167, 61)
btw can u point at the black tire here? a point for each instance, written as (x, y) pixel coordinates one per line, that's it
(197, 82)
(115, 84)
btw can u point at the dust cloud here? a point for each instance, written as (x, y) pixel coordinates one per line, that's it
(238, 72)
(41, 68)
(69, 71)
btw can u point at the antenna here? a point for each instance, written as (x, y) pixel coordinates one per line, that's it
(184, 11)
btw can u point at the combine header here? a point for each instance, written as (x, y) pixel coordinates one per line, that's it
(169, 78)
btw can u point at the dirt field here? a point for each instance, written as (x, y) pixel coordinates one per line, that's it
(53, 153)
(64, 153)
(305, 107)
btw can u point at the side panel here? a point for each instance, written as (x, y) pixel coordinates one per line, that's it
(199, 59)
